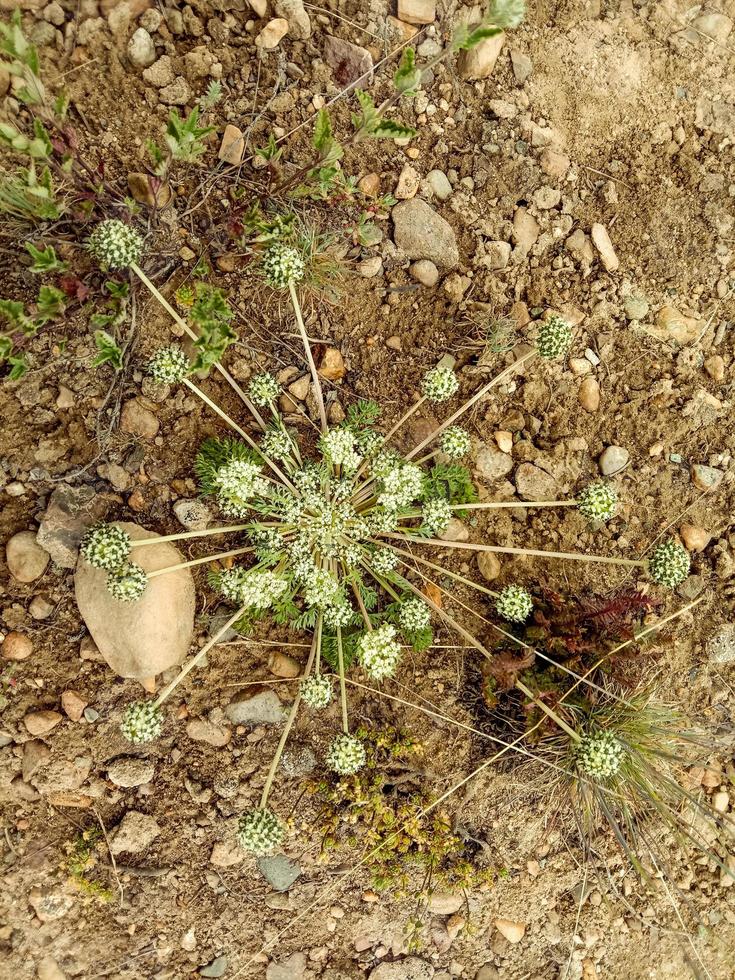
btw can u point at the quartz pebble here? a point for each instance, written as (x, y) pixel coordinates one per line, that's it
(613, 460)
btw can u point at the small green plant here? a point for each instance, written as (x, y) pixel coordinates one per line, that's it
(80, 862)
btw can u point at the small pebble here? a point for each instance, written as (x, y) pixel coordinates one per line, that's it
(613, 460)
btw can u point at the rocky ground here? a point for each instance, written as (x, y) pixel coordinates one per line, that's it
(585, 165)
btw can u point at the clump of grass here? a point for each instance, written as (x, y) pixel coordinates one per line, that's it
(80, 862)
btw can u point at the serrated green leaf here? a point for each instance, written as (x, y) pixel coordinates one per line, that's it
(408, 77)
(109, 351)
(389, 129)
(474, 36)
(44, 260)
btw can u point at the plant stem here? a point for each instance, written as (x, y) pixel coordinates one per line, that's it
(528, 504)
(240, 431)
(342, 687)
(200, 561)
(291, 718)
(309, 356)
(548, 711)
(198, 657)
(475, 398)
(155, 292)
(184, 535)
(497, 549)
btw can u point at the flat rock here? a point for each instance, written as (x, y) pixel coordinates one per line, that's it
(26, 559)
(513, 931)
(348, 61)
(279, 871)
(142, 638)
(134, 833)
(533, 483)
(16, 646)
(193, 514)
(256, 707)
(521, 64)
(39, 723)
(444, 903)
(424, 272)
(299, 24)
(706, 477)
(217, 967)
(137, 420)
(49, 904)
(226, 854)
(492, 465)
(129, 771)
(232, 147)
(421, 233)
(613, 460)
(272, 34)
(203, 730)
(671, 324)
(416, 11)
(489, 565)
(455, 531)
(49, 969)
(69, 513)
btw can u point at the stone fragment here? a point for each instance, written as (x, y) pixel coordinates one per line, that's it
(421, 233)
(455, 531)
(492, 465)
(279, 871)
(26, 559)
(706, 477)
(534, 483)
(513, 931)
(417, 11)
(232, 147)
(480, 61)
(439, 184)
(204, 730)
(40, 723)
(193, 514)
(407, 968)
(272, 34)
(130, 771)
(134, 833)
(601, 241)
(141, 49)
(672, 325)
(589, 394)
(521, 64)
(256, 707)
(408, 183)
(348, 61)
(613, 460)
(489, 565)
(16, 646)
(425, 272)
(73, 704)
(137, 420)
(299, 24)
(694, 538)
(332, 366)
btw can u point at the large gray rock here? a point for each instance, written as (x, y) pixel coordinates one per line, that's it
(423, 234)
(143, 638)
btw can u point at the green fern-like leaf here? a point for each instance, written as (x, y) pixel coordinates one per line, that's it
(452, 482)
(214, 453)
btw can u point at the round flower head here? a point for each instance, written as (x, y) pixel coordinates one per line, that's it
(282, 265)
(346, 755)
(316, 691)
(263, 389)
(260, 590)
(379, 652)
(142, 722)
(230, 582)
(383, 560)
(669, 564)
(260, 831)
(321, 588)
(600, 755)
(106, 546)
(169, 365)
(514, 604)
(554, 337)
(439, 384)
(127, 583)
(115, 244)
(436, 515)
(239, 481)
(455, 442)
(338, 446)
(401, 486)
(413, 615)
(338, 614)
(598, 501)
(277, 444)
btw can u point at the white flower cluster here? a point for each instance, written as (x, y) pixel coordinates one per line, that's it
(282, 265)
(600, 755)
(439, 384)
(169, 365)
(669, 564)
(238, 482)
(413, 615)
(339, 614)
(455, 442)
(346, 755)
(379, 652)
(401, 486)
(142, 722)
(127, 583)
(115, 244)
(554, 337)
(514, 604)
(277, 444)
(316, 691)
(261, 590)
(106, 546)
(338, 448)
(263, 389)
(260, 831)
(383, 560)
(321, 589)
(436, 515)
(598, 501)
